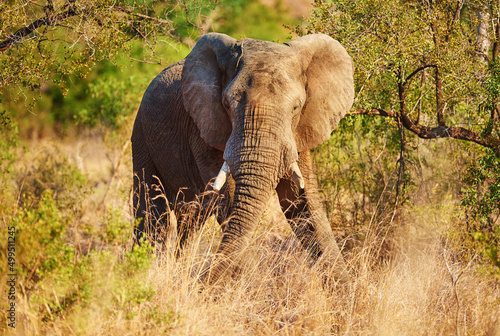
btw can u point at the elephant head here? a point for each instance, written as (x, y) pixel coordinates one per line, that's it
(262, 104)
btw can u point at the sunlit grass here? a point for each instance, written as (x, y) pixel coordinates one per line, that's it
(415, 285)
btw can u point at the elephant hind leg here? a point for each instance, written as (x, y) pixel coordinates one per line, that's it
(150, 205)
(149, 199)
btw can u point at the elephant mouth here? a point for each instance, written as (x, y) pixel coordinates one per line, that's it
(293, 170)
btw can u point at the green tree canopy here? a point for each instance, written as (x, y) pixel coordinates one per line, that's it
(42, 42)
(431, 65)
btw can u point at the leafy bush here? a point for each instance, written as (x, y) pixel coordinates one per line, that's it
(112, 101)
(358, 171)
(40, 230)
(58, 280)
(108, 96)
(49, 170)
(481, 199)
(8, 144)
(59, 277)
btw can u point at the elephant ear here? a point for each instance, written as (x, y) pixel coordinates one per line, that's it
(201, 82)
(329, 79)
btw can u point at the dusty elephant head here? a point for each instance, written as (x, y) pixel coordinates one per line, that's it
(263, 104)
(305, 85)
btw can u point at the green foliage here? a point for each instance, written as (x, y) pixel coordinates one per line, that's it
(358, 175)
(250, 18)
(45, 264)
(37, 59)
(40, 230)
(52, 171)
(189, 17)
(60, 281)
(47, 73)
(116, 231)
(481, 199)
(74, 39)
(108, 97)
(62, 272)
(8, 141)
(492, 84)
(112, 101)
(390, 40)
(416, 59)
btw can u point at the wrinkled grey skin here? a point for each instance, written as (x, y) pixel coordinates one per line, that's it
(259, 106)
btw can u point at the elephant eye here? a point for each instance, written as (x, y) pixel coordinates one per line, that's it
(297, 106)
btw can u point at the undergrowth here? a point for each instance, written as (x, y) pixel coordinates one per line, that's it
(77, 271)
(68, 269)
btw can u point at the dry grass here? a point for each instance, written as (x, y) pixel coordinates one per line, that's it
(277, 291)
(418, 287)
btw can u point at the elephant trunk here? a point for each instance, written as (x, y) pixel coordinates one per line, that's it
(254, 184)
(256, 160)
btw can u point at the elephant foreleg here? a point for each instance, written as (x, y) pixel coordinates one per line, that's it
(306, 215)
(192, 215)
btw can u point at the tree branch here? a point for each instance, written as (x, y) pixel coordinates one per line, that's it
(375, 112)
(25, 31)
(456, 17)
(439, 97)
(426, 132)
(52, 19)
(418, 70)
(421, 96)
(496, 44)
(142, 16)
(401, 92)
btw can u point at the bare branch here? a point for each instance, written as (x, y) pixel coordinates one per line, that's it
(401, 91)
(50, 5)
(456, 17)
(493, 123)
(440, 131)
(418, 70)
(375, 112)
(142, 61)
(187, 13)
(439, 97)
(496, 44)
(142, 16)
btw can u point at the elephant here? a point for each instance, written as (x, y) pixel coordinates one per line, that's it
(245, 112)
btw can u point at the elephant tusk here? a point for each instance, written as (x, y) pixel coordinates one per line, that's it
(221, 177)
(297, 175)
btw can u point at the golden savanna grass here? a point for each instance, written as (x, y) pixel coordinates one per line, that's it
(405, 282)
